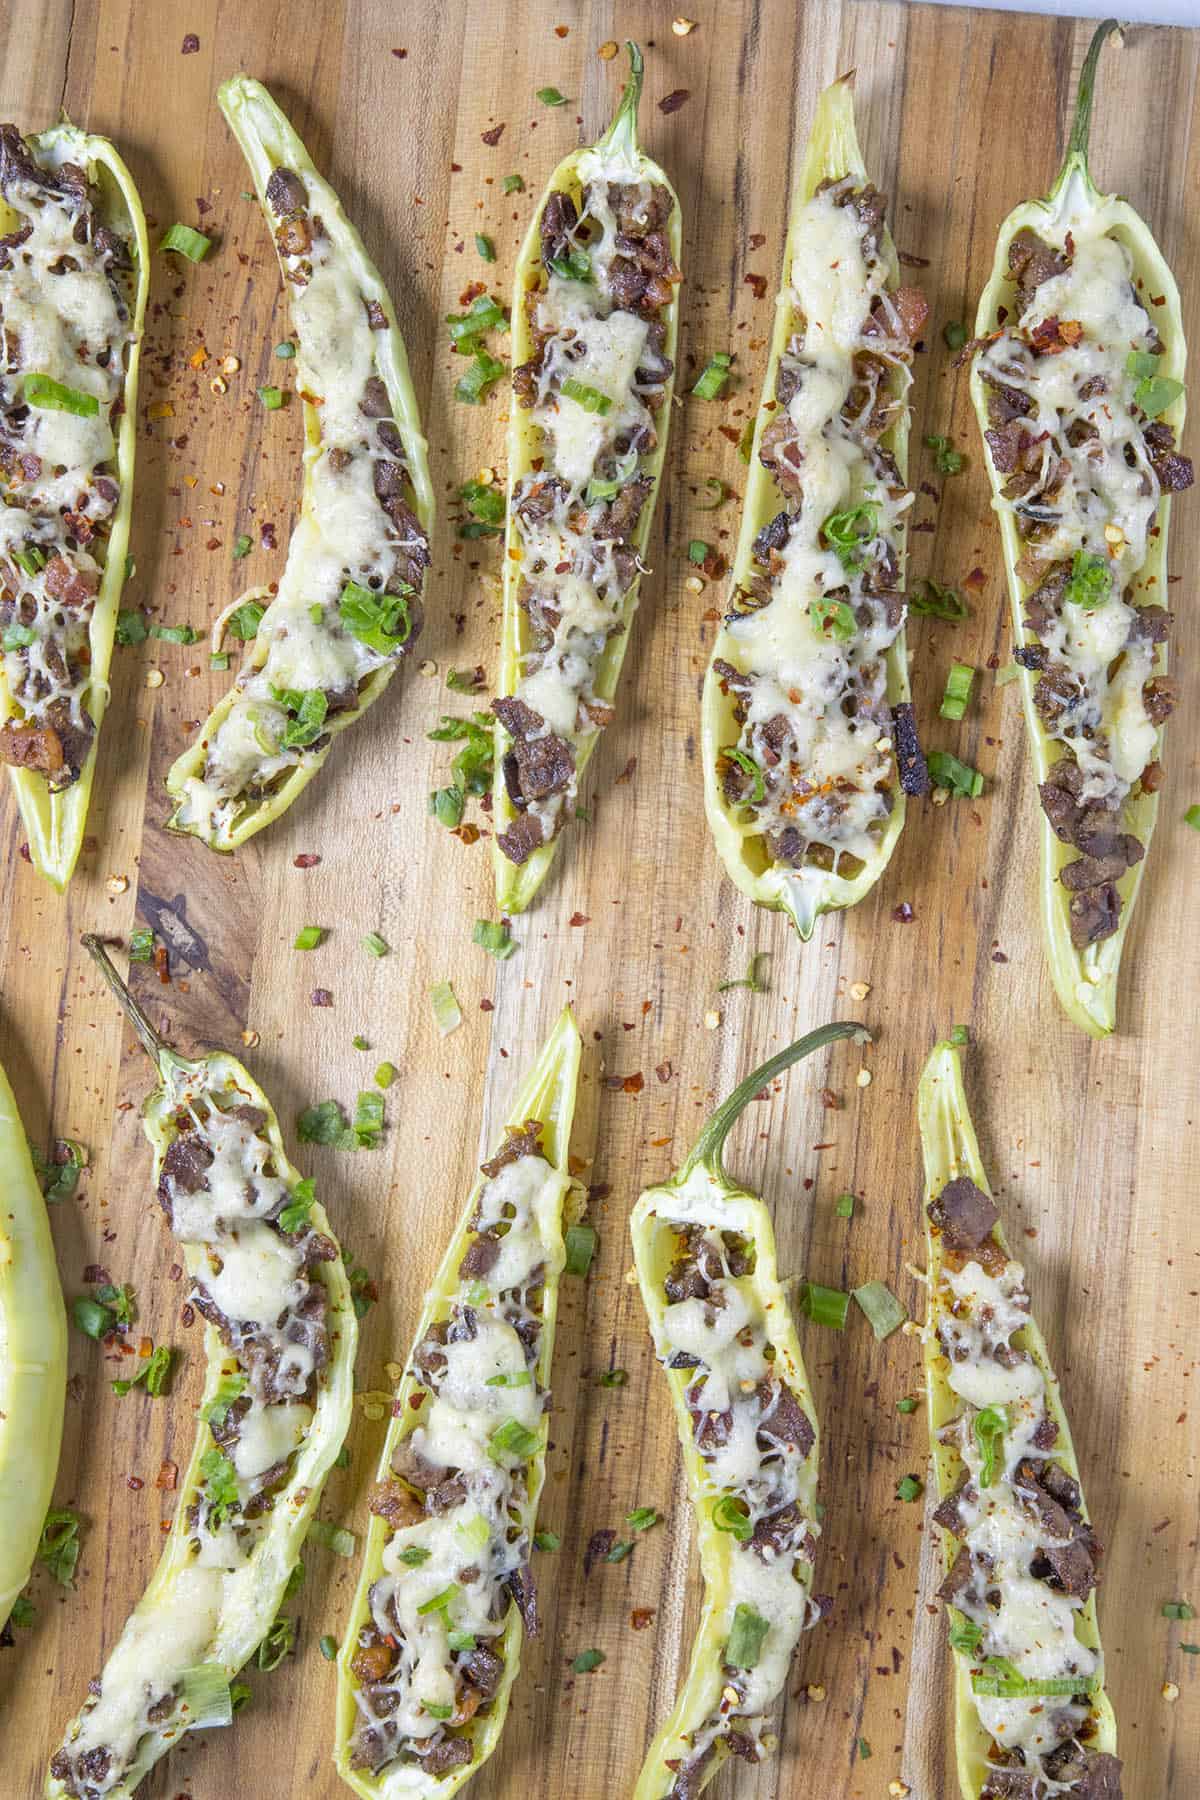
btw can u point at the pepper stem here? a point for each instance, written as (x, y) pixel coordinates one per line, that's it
(708, 1148)
(156, 1048)
(1077, 144)
(622, 133)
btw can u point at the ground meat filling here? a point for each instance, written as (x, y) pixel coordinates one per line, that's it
(431, 1657)
(755, 1438)
(595, 386)
(66, 301)
(350, 600)
(1022, 1556)
(1085, 469)
(820, 752)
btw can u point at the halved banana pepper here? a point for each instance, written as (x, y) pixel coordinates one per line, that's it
(723, 1332)
(594, 327)
(349, 603)
(1078, 385)
(1032, 1718)
(433, 1643)
(74, 271)
(33, 1357)
(808, 740)
(267, 1274)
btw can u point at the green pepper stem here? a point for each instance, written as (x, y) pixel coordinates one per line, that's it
(708, 1148)
(1077, 144)
(622, 133)
(156, 1048)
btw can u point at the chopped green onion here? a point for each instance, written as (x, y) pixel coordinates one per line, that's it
(843, 1206)
(294, 1216)
(446, 1010)
(909, 1488)
(990, 1425)
(141, 945)
(438, 1709)
(271, 397)
(547, 1540)
(385, 1074)
(834, 618)
(220, 1484)
(948, 460)
(729, 1514)
(206, 1698)
(325, 1123)
(580, 1242)
(513, 184)
(94, 1320)
(368, 1121)
(719, 492)
(465, 681)
(153, 1372)
(219, 659)
(510, 1379)
(245, 621)
(698, 550)
(328, 1647)
(190, 243)
(864, 1750)
(485, 314)
(58, 1546)
(619, 1551)
(382, 622)
(493, 937)
(175, 634)
(955, 335)
(514, 1439)
(643, 1518)
(958, 690)
(376, 945)
(359, 1042)
(824, 1306)
(1178, 1609)
(483, 373)
(755, 977)
(285, 351)
(24, 1612)
(1090, 582)
(907, 1405)
(333, 1537)
(17, 637)
(1192, 817)
(1006, 1684)
(590, 398)
(965, 1635)
(414, 1555)
(31, 558)
(847, 534)
(460, 1640)
(587, 1660)
(485, 500)
(51, 396)
(485, 247)
(279, 1642)
(959, 1036)
(242, 547)
(308, 937)
(215, 1411)
(747, 764)
(929, 600)
(550, 96)
(947, 772)
(713, 376)
(576, 265)
(884, 1313)
(745, 1638)
(1190, 1649)
(598, 489)
(1156, 394)
(614, 1378)
(440, 1601)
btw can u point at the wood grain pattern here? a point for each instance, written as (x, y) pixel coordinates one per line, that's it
(1089, 1145)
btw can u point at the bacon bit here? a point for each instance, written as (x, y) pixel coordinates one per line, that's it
(167, 1476)
(162, 964)
(607, 51)
(161, 409)
(307, 859)
(640, 1617)
(731, 432)
(758, 283)
(135, 1483)
(578, 918)
(191, 44)
(664, 1071)
(493, 136)
(672, 102)
(627, 772)
(903, 914)
(321, 997)
(830, 1101)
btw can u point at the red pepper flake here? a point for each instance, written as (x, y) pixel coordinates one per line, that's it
(493, 136)
(167, 1476)
(757, 239)
(579, 918)
(731, 432)
(757, 283)
(975, 581)
(321, 997)
(466, 834)
(487, 1006)
(307, 859)
(903, 914)
(627, 772)
(471, 292)
(162, 964)
(910, 261)
(640, 1617)
(714, 565)
(191, 44)
(400, 53)
(633, 1084)
(672, 102)
(456, 169)
(830, 1101)
(562, 30)
(135, 1482)
(663, 1071)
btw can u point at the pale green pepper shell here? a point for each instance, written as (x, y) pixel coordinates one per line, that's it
(33, 1357)
(702, 1190)
(56, 822)
(1085, 980)
(247, 1616)
(950, 1149)
(516, 886)
(831, 153)
(268, 141)
(547, 1095)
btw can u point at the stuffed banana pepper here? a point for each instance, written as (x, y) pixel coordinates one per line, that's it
(595, 319)
(433, 1643)
(1078, 384)
(74, 265)
(1032, 1717)
(349, 604)
(268, 1277)
(718, 1313)
(809, 745)
(33, 1358)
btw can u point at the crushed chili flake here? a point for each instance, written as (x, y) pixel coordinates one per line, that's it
(493, 136)
(975, 581)
(757, 239)
(307, 859)
(910, 261)
(561, 31)
(663, 1071)
(903, 914)
(672, 102)
(640, 1617)
(466, 834)
(578, 918)
(400, 53)
(162, 964)
(731, 432)
(167, 1476)
(757, 283)
(191, 44)
(830, 1101)
(321, 997)
(627, 772)
(135, 1482)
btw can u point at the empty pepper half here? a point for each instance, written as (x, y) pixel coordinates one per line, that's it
(594, 326)
(349, 604)
(718, 1312)
(74, 270)
(809, 745)
(33, 1357)
(446, 1594)
(268, 1276)
(1032, 1716)
(1078, 385)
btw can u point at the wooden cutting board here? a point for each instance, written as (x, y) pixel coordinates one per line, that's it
(962, 114)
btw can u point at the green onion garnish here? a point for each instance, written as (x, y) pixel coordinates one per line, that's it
(955, 335)
(746, 762)
(833, 618)
(58, 1546)
(414, 1555)
(328, 1647)
(959, 1036)
(446, 1010)
(1000, 1681)
(948, 460)
(493, 936)
(907, 1405)
(308, 937)
(713, 376)
(547, 1540)
(729, 1514)
(485, 247)
(484, 371)
(580, 1243)
(958, 690)
(382, 622)
(30, 558)
(587, 1660)
(576, 265)
(484, 500)
(51, 396)
(271, 397)
(513, 184)
(243, 547)
(153, 1373)
(643, 1518)
(590, 398)
(883, 1312)
(439, 1602)
(285, 351)
(909, 1488)
(333, 1537)
(929, 600)
(94, 1320)
(1192, 817)
(717, 490)
(550, 96)
(619, 1551)
(514, 1439)
(698, 550)
(965, 1635)
(376, 945)
(17, 637)
(368, 1121)
(847, 533)
(755, 977)
(824, 1306)
(947, 772)
(245, 621)
(745, 1638)
(294, 1216)
(990, 1425)
(1090, 582)
(510, 1379)
(190, 243)
(614, 1378)
(460, 1640)
(1156, 394)
(1178, 1609)
(141, 945)
(843, 1206)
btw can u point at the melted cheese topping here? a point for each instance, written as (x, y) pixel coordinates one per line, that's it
(828, 763)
